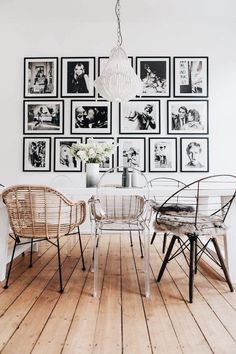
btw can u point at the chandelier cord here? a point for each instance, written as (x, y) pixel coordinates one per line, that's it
(119, 34)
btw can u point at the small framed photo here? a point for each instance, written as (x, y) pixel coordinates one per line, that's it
(187, 117)
(102, 61)
(37, 154)
(63, 160)
(194, 155)
(77, 77)
(139, 117)
(91, 117)
(155, 75)
(43, 117)
(109, 163)
(131, 152)
(40, 77)
(162, 154)
(191, 76)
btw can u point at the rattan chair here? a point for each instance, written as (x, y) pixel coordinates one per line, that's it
(196, 221)
(38, 213)
(163, 185)
(114, 208)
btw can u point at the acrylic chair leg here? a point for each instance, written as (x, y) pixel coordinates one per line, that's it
(153, 237)
(167, 256)
(59, 264)
(31, 252)
(9, 271)
(222, 263)
(140, 244)
(95, 264)
(81, 249)
(192, 240)
(130, 237)
(146, 237)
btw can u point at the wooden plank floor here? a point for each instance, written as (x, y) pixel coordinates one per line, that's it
(36, 318)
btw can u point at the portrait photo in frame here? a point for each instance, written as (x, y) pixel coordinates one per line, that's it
(91, 117)
(190, 76)
(109, 163)
(187, 117)
(194, 154)
(63, 160)
(43, 117)
(77, 77)
(155, 75)
(40, 77)
(139, 117)
(37, 154)
(162, 154)
(132, 152)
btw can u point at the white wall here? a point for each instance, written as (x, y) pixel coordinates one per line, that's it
(88, 28)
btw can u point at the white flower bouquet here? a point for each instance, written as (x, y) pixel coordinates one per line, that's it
(93, 151)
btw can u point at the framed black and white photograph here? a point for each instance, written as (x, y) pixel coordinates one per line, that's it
(131, 152)
(194, 155)
(40, 77)
(162, 154)
(191, 76)
(43, 117)
(63, 160)
(109, 163)
(187, 117)
(91, 117)
(37, 154)
(77, 77)
(155, 75)
(139, 117)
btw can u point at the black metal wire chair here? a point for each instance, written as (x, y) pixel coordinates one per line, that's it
(195, 221)
(163, 184)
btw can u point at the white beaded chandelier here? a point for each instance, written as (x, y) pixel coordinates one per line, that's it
(118, 81)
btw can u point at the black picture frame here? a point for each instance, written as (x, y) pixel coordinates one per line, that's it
(135, 149)
(43, 117)
(155, 73)
(110, 161)
(63, 160)
(190, 76)
(36, 154)
(40, 77)
(77, 77)
(194, 152)
(98, 112)
(140, 117)
(162, 154)
(187, 117)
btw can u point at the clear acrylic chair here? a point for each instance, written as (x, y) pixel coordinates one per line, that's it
(196, 221)
(120, 209)
(161, 187)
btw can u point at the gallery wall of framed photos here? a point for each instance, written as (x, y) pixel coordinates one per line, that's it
(166, 129)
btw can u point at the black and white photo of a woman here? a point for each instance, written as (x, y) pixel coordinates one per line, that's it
(63, 159)
(131, 152)
(162, 154)
(36, 156)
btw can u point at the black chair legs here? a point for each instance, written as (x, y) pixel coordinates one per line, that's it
(31, 252)
(153, 237)
(81, 250)
(164, 242)
(167, 256)
(59, 263)
(9, 271)
(130, 237)
(192, 265)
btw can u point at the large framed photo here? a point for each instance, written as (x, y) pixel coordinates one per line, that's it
(194, 155)
(91, 117)
(77, 77)
(155, 75)
(63, 160)
(139, 117)
(37, 154)
(187, 117)
(109, 163)
(43, 117)
(131, 152)
(162, 155)
(40, 77)
(191, 76)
